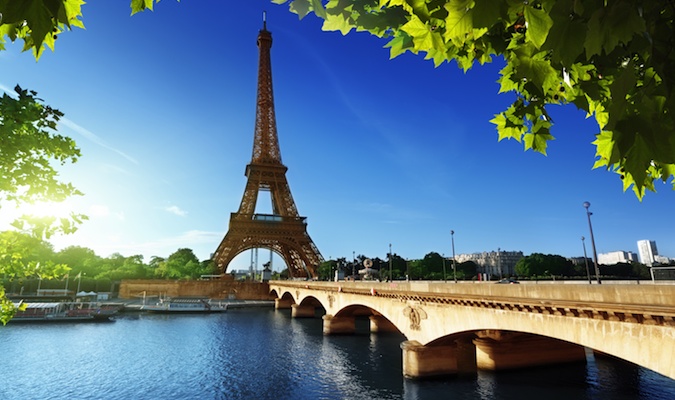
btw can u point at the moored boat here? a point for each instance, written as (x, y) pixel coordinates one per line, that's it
(64, 312)
(185, 305)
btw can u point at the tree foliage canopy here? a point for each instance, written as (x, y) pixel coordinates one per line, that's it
(612, 59)
(30, 145)
(537, 264)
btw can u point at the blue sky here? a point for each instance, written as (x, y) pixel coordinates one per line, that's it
(379, 151)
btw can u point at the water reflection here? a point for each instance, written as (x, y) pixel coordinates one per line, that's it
(265, 354)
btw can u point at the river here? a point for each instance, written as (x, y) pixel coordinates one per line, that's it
(265, 354)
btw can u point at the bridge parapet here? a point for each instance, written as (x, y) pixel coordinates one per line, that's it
(649, 304)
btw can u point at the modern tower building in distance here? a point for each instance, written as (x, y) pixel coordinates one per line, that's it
(647, 251)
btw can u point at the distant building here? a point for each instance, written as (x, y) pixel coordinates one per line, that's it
(495, 263)
(581, 260)
(647, 251)
(616, 257)
(662, 260)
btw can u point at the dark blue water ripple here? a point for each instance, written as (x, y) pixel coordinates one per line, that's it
(264, 354)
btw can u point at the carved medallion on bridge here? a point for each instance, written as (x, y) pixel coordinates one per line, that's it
(297, 295)
(331, 299)
(416, 316)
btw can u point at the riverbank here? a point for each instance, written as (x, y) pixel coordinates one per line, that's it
(135, 305)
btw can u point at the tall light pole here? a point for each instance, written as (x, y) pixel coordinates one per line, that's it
(353, 265)
(454, 265)
(391, 278)
(595, 253)
(499, 262)
(443, 255)
(588, 272)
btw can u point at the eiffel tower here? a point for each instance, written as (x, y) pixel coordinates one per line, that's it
(284, 231)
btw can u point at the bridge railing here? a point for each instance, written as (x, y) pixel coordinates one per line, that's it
(650, 304)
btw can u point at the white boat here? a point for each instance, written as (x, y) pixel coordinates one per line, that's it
(64, 312)
(185, 305)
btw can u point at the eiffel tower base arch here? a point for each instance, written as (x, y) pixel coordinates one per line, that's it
(286, 236)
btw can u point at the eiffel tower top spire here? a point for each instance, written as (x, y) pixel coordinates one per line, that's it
(266, 141)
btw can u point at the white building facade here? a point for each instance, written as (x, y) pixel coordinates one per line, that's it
(647, 251)
(499, 263)
(616, 257)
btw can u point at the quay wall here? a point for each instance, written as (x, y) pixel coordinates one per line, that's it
(223, 288)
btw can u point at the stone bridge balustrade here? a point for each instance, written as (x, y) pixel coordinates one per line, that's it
(455, 328)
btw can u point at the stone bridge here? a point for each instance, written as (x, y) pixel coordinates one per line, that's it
(455, 328)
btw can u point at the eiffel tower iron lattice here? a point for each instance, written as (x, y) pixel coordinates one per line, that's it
(284, 231)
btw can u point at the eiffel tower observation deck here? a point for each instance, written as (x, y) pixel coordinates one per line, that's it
(284, 231)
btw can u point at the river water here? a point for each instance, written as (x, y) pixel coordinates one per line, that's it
(265, 354)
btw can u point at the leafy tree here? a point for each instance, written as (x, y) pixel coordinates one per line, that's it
(432, 263)
(183, 263)
(325, 269)
(398, 265)
(80, 259)
(640, 270)
(415, 269)
(612, 59)
(208, 267)
(24, 255)
(537, 264)
(467, 270)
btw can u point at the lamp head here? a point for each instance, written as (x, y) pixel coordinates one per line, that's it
(586, 205)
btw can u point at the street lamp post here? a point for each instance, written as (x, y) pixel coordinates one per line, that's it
(391, 278)
(454, 265)
(444, 279)
(588, 272)
(595, 253)
(353, 265)
(499, 262)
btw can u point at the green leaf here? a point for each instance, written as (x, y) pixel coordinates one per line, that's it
(421, 34)
(538, 25)
(459, 22)
(336, 23)
(668, 170)
(566, 41)
(595, 34)
(608, 27)
(487, 13)
(534, 67)
(301, 7)
(622, 22)
(605, 149)
(400, 44)
(506, 129)
(141, 5)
